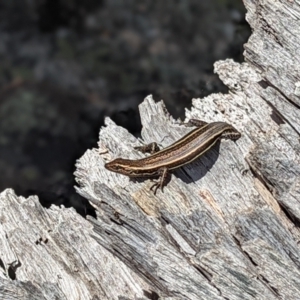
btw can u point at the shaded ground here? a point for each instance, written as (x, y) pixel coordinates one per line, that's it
(67, 64)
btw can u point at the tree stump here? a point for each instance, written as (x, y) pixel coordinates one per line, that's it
(225, 227)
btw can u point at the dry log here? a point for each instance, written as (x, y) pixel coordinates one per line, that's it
(225, 227)
(50, 254)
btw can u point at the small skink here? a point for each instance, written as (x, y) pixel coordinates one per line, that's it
(182, 152)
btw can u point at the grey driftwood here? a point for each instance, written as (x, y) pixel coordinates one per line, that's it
(226, 226)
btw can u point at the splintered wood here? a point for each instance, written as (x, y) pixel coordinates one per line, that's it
(225, 227)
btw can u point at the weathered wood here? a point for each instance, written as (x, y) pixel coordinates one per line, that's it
(50, 254)
(225, 227)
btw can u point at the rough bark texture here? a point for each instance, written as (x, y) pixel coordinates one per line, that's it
(226, 226)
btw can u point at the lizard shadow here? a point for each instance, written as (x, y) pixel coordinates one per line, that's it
(197, 169)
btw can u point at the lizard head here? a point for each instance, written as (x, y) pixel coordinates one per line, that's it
(119, 165)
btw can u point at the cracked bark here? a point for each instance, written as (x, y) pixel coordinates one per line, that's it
(226, 226)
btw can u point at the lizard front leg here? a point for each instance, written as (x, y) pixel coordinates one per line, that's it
(161, 182)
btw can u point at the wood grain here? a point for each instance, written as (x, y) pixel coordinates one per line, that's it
(226, 226)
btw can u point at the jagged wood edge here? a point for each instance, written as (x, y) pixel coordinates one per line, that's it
(194, 241)
(49, 253)
(269, 125)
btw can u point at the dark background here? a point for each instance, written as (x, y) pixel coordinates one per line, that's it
(65, 64)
